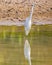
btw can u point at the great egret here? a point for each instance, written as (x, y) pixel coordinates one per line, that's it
(27, 50)
(28, 22)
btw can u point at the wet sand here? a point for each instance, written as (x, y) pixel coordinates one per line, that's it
(19, 23)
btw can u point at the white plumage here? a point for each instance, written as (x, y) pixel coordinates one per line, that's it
(28, 22)
(27, 51)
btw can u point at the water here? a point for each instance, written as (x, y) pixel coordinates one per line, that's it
(27, 51)
(12, 40)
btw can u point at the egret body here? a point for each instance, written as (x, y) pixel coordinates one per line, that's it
(28, 22)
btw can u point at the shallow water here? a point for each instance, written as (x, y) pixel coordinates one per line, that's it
(12, 41)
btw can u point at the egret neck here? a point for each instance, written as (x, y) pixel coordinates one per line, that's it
(31, 13)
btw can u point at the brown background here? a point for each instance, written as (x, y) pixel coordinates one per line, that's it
(20, 9)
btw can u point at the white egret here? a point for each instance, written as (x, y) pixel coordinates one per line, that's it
(27, 50)
(28, 22)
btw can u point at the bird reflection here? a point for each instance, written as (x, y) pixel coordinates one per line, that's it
(27, 51)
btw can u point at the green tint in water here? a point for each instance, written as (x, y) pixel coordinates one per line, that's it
(12, 41)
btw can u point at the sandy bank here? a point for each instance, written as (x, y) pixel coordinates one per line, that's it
(20, 9)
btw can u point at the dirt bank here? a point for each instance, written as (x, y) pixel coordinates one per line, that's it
(20, 9)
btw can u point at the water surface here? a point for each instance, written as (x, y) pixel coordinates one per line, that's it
(12, 41)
